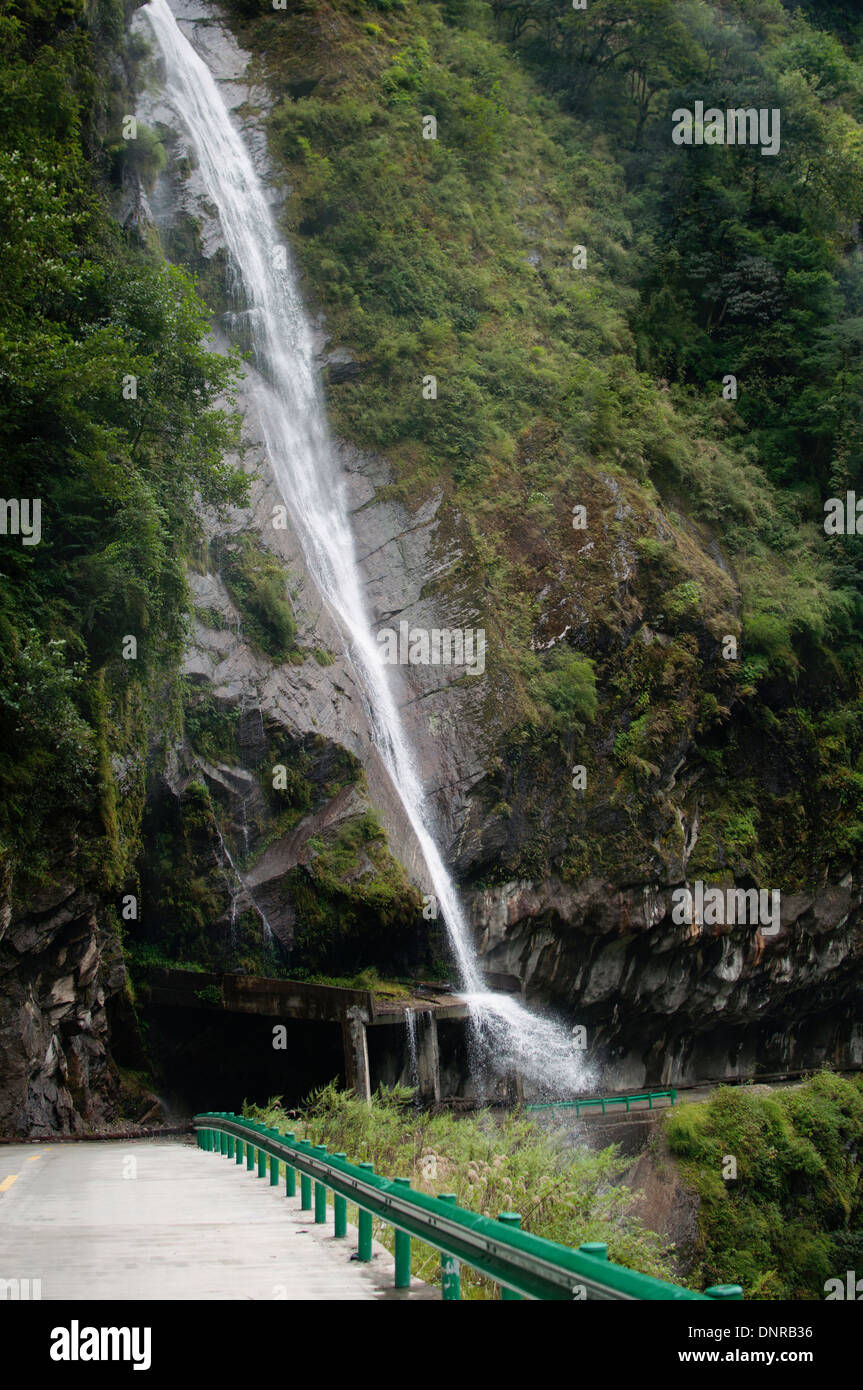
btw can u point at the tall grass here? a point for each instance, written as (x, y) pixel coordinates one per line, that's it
(492, 1163)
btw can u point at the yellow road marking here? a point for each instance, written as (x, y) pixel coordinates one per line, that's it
(32, 1158)
(7, 1182)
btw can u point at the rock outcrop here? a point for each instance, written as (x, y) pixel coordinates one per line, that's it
(569, 891)
(61, 973)
(588, 930)
(667, 1004)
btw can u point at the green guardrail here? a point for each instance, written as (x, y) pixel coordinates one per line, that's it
(524, 1265)
(579, 1105)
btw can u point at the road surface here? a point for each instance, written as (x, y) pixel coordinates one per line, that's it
(161, 1219)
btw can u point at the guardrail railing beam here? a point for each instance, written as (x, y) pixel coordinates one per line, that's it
(603, 1102)
(522, 1264)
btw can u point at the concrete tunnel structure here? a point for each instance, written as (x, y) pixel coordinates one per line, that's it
(353, 1010)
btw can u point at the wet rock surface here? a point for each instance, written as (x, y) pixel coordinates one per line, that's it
(660, 1002)
(667, 1004)
(400, 552)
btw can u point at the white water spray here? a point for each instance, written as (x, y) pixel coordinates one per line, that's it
(413, 1055)
(295, 432)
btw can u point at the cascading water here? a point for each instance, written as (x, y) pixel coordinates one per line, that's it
(237, 886)
(294, 426)
(413, 1056)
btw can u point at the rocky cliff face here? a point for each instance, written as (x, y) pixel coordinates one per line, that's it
(569, 888)
(570, 891)
(667, 1004)
(66, 1012)
(300, 709)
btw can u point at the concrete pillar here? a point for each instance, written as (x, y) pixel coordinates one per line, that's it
(428, 1058)
(513, 1087)
(357, 1073)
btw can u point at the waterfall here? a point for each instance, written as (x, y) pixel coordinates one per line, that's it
(295, 433)
(413, 1056)
(237, 886)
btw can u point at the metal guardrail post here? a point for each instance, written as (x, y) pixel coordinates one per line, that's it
(238, 1153)
(340, 1209)
(364, 1224)
(305, 1180)
(320, 1190)
(250, 1156)
(724, 1291)
(510, 1218)
(450, 1270)
(274, 1162)
(596, 1249)
(403, 1249)
(290, 1173)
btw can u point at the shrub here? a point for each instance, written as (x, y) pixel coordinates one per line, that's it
(257, 584)
(492, 1164)
(567, 688)
(796, 1207)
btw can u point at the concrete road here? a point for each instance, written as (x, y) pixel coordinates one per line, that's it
(161, 1219)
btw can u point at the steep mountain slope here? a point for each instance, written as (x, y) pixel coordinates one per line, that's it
(671, 681)
(608, 644)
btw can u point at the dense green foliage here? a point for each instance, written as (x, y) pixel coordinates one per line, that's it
(565, 690)
(355, 904)
(793, 1216)
(108, 418)
(745, 267)
(493, 1164)
(257, 583)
